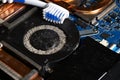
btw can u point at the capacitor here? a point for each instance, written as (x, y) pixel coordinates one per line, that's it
(104, 42)
(118, 51)
(113, 47)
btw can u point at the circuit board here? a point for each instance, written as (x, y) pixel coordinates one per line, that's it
(109, 29)
(104, 28)
(94, 25)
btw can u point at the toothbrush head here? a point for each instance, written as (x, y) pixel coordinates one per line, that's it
(55, 13)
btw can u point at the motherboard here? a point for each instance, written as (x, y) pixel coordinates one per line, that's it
(97, 19)
(84, 47)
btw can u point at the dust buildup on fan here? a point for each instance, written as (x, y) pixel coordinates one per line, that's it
(44, 39)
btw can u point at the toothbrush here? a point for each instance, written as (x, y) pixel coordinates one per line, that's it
(51, 12)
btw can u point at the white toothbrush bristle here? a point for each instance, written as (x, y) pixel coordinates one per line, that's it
(55, 13)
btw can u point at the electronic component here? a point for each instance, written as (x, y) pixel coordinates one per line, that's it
(47, 47)
(105, 35)
(104, 42)
(44, 40)
(88, 32)
(118, 51)
(113, 47)
(108, 26)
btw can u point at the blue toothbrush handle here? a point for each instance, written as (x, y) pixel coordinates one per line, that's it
(20, 1)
